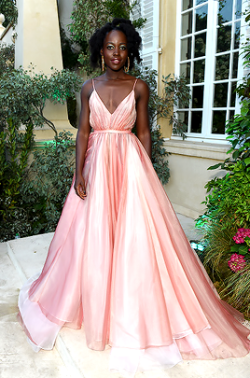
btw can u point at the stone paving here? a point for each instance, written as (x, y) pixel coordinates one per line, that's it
(20, 259)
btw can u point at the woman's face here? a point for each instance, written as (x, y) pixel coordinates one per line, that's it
(115, 50)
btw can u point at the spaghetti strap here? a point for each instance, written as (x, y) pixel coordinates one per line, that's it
(134, 84)
(93, 84)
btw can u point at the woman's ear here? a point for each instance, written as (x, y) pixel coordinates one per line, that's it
(101, 51)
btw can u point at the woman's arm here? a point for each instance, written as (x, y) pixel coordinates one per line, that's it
(142, 120)
(82, 139)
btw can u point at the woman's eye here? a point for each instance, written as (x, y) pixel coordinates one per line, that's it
(110, 47)
(123, 47)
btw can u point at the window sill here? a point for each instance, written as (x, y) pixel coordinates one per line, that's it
(202, 150)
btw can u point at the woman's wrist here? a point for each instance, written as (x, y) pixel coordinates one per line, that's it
(78, 173)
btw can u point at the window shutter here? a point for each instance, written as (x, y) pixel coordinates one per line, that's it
(149, 9)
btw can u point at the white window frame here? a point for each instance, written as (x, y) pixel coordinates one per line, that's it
(206, 135)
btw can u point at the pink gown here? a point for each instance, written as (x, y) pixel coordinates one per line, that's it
(121, 264)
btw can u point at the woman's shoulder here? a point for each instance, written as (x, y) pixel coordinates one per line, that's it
(141, 88)
(141, 84)
(87, 84)
(87, 88)
(138, 82)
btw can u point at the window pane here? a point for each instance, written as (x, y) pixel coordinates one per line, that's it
(219, 121)
(238, 8)
(198, 96)
(196, 122)
(184, 103)
(186, 23)
(224, 38)
(220, 95)
(231, 114)
(233, 94)
(237, 35)
(200, 2)
(185, 71)
(226, 11)
(200, 45)
(183, 117)
(199, 71)
(201, 18)
(186, 4)
(235, 65)
(186, 44)
(222, 67)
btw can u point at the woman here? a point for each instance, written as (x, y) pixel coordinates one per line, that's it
(119, 260)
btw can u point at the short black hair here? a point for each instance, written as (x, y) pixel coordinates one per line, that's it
(125, 26)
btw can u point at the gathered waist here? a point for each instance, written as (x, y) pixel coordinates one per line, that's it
(112, 131)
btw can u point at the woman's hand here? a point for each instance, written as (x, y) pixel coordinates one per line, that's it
(80, 187)
(82, 139)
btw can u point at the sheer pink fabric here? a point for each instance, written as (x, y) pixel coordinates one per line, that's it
(121, 263)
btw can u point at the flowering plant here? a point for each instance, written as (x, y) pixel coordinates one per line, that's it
(241, 249)
(242, 236)
(237, 262)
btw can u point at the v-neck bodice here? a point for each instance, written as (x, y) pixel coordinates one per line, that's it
(122, 119)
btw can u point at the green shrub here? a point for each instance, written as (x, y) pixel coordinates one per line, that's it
(24, 94)
(23, 97)
(47, 182)
(9, 9)
(14, 152)
(228, 201)
(33, 203)
(227, 215)
(228, 211)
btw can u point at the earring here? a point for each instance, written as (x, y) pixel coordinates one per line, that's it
(126, 69)
(103, 63)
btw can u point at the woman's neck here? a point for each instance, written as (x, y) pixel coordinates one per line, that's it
(114, 75)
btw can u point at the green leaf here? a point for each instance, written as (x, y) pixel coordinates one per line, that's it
(214, 166)
(243, 249)
(235, 248)
(247, 161)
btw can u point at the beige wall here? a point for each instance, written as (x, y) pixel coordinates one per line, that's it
(188, 164)
(38, 42)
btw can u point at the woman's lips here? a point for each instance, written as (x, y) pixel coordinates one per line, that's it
(116, 61)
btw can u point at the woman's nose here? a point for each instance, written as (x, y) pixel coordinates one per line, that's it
(116, 51)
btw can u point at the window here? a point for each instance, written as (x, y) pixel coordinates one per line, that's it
(208, 56)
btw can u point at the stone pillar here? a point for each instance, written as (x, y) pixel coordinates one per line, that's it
(38, 42)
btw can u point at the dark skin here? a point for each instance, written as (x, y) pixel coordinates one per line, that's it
(112, 87)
